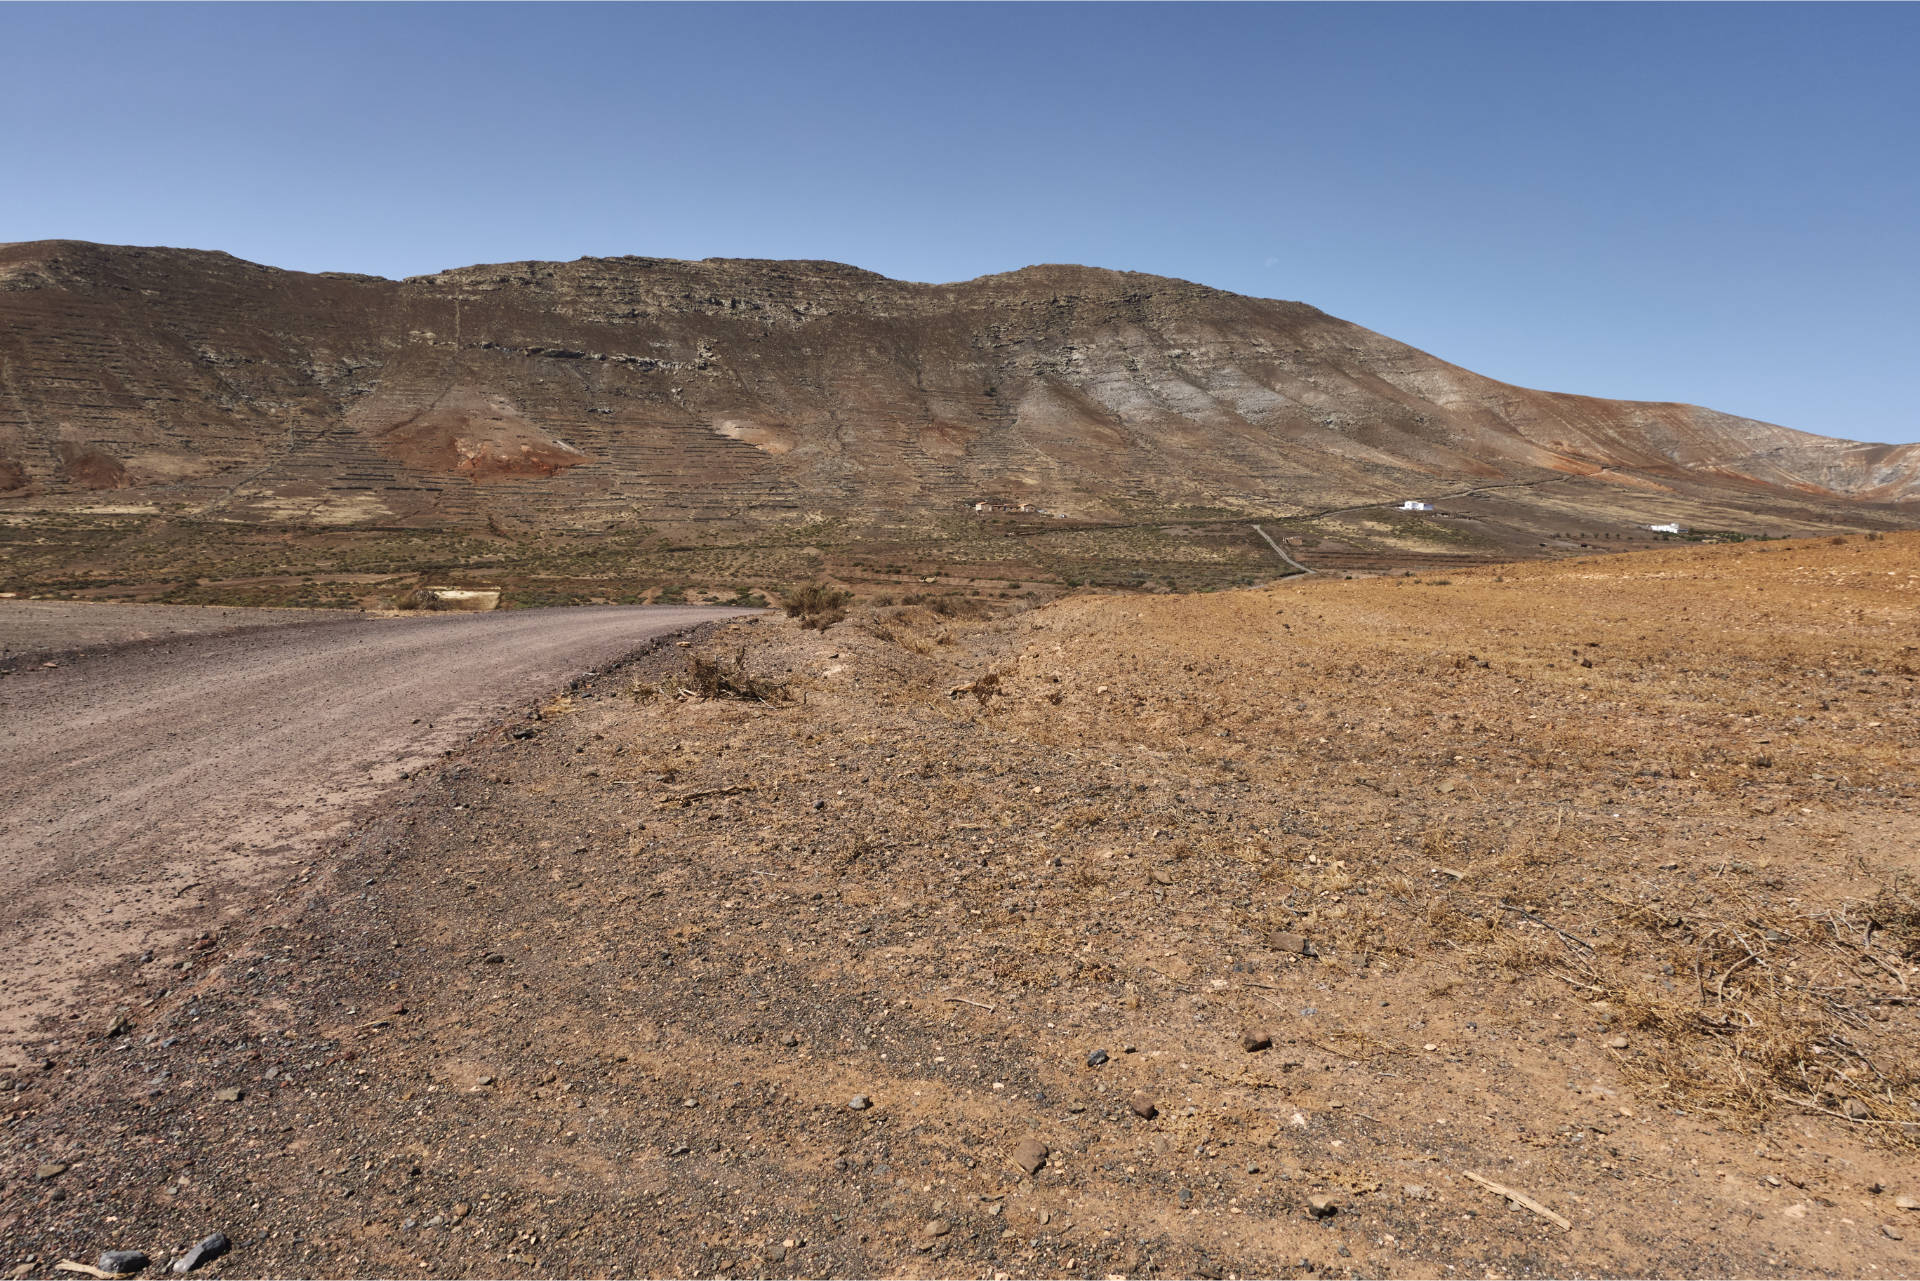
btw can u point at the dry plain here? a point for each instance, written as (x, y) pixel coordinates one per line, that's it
(1592, 880)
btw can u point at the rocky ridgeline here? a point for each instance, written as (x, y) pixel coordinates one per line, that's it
(750, 392)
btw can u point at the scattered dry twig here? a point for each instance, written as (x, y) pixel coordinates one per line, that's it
(1520, 1199)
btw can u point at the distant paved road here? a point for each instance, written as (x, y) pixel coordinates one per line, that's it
(143, 787)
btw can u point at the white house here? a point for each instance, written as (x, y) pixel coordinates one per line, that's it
(1669, 528)
(1415, 505)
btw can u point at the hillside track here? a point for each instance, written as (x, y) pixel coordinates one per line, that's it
(147, 790)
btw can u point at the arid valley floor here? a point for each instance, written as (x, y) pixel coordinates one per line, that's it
(1286, 920)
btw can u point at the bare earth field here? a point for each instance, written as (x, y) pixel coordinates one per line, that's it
(1274, 916)
(145, 789)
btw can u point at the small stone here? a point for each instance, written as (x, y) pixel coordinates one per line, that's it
(123, 1262)
(789, 1040)
(1322, 1207)
(51, 1170)
(1254, 1041)
(1906, 1203)
(1160, 876)
(495, 958)
(1143, 1105)
(1798, 1210)
(1282, 941)
(1096, 1058)
(935, 1228)
(1617, 1043)
(205, 1252)
(461, 1210)
(232, 1094)
(1890, 1232)
(860, 1103)
(1031, 1154)
(1416, 1192)
(1857, 1109)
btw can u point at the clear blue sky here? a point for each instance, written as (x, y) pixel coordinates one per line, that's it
(1714, 203)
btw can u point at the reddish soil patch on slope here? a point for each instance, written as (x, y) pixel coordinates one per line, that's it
(478, 436)
(92, 468)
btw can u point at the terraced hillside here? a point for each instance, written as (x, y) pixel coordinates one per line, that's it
(739, 395)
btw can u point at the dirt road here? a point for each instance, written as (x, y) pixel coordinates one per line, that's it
(36, 630)
(146, 790)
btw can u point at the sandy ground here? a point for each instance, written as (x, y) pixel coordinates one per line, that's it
(1275, 917)
(148, 789)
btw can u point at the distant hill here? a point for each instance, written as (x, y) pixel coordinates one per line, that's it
(754, 393)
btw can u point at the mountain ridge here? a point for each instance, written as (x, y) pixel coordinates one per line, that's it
(754, 392)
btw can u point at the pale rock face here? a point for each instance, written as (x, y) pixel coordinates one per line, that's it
(752, 393)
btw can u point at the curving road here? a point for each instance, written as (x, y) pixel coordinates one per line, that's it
(143, 789)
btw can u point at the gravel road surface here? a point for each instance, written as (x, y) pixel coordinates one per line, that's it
(147, 790)
(31, 630)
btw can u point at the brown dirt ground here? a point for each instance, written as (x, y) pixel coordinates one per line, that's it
(1608, 865)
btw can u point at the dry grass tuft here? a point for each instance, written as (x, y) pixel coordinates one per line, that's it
(817, 605)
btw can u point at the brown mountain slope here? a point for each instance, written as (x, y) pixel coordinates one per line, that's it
(752, 392)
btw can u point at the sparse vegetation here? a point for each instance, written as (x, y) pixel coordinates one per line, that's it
(817, 605)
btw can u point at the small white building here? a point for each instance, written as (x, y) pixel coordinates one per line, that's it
(1415, 505)
(1669, 528)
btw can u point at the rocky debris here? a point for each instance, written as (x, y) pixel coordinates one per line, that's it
(935, 1228)
(860, 1103)
(1906, 1203)
(1286, 941)
(1322, 1207)
(1030, 1155)
(1253, 1041)
(231, 1094)
(1160, 876)
(1143, 1105)
(1097, 1058)
(51, 1170)
(122, 1262)
(1617, 1043)
(203, 1252)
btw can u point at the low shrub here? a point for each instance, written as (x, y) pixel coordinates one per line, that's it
(817, 605)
